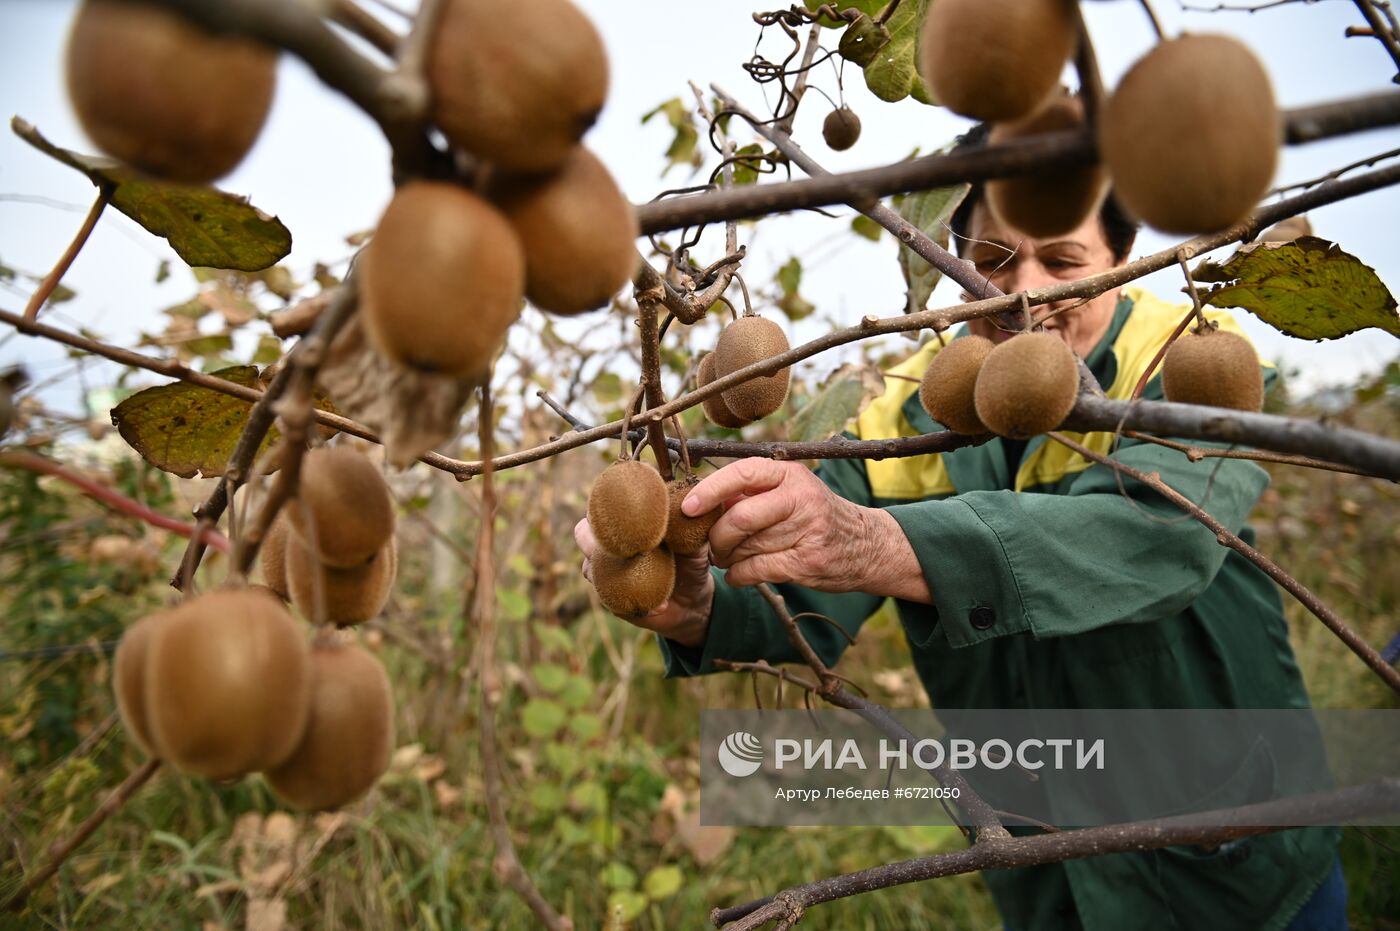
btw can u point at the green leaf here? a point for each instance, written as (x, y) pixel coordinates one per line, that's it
(868, 7)
(542, 718)
(618, 876)
(546, 797)
(663, 882)
(846, 394)
(608, 388)
(588, 796)
(577, 693)
(1308, 288)
(585, 726)
(550, 676)
(791, 303)
(269, 350)
(863, 40)
(862, 225)
(746, 172)
(789, 277)
(929, 211)
(684, 147)
(205, 226)
(891, 74)
(185, 429)
(515, 605)
(624, 907)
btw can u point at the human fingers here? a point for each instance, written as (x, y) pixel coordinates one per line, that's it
(583, 536)
(746, 519)
(745, 477)
(764, 567)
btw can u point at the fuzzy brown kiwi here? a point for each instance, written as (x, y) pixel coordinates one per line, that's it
(353, 596)
(1027, 385)
(995, 59)
(129, 678)
(946, 391)
(744, 342)
(687, 535)
(578, 231)
(347, 500)
(442, 280)
(714, 407)
(228, 684)
(841, 129)
(272, 557)
(518, 85)
(159, 92)
(1047, 203)
(636, 586)
(1214, 367)
(1231, 121)
(627, 508)
(349, 733)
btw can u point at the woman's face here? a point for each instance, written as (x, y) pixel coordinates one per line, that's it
(1014, 262)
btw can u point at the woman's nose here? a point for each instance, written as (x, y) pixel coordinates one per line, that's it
(1025, 275)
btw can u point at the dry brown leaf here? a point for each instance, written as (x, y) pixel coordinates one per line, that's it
(411, 411)
(446, 794)
(266, 915)
(705, 843)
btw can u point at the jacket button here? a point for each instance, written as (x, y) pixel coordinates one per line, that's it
(982, 617)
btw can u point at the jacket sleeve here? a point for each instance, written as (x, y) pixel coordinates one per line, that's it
(1001, 562)
(743, 626)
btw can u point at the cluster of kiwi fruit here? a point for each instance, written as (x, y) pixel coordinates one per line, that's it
(335, 540)
(226, 684)
(1001, 60)
(1019, 388)
(744, 342)
(637, 520)
(448, 269)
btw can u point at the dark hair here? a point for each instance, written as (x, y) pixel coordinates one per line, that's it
(1119, 230)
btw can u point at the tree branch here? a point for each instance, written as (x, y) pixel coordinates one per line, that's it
(1382, 32)
(1041, 152)
(65, 261)
(1225, 537)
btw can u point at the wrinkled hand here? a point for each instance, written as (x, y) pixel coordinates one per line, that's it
(685, 617)
(782, 524)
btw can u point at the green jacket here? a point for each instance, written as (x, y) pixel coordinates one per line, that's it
(1053, 590)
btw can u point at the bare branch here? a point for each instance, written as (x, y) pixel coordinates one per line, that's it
(65, 261)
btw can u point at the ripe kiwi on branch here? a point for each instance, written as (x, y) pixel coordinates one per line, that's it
(714, 407)
(1027, 385)
(159, 92)
(687, 535)
(627, 508)
(129, 678)
(349, 732)
(995, 59)
(577, 229)
(946, 391)
(227, 683)
(634, 586)
(442, 280)
(841, 129)
(353, 596)
(1191, 134)
(1047, 203)
(744, 342)
(1213, 367)
(516, 84)
(347, 501)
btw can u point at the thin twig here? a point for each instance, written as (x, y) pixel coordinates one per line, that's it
(65, 261)
(1225, 537)
(1197, 453)
(1383, 32)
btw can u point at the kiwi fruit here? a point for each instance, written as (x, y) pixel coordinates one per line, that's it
(714, 407)
(349, 733)
(578, 231)
(1027, 385)
(841, 129)
(129, 678)
(1053, 202)
(946, 391)
(442, 280)
(1191, 134)
(744, 342)
(159, 92)
(272, 556)
(995, 59)
(353, 596)
(518, 85)
(634, 586)
(627, 508)
(228, 684)
(1213, 367)
(687, 535)
(345, 497)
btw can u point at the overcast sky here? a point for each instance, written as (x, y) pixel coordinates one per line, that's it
(323, 167)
